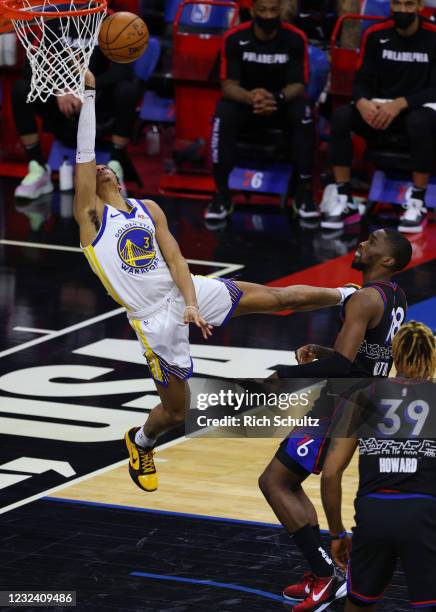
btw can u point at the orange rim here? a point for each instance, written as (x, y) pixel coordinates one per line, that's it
(16, 9)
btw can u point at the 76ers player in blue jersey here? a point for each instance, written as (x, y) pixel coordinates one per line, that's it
(129, 247)
(363, 348)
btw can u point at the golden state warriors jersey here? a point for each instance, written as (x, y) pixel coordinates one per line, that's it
(126, 257)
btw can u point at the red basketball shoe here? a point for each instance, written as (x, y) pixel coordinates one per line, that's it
(324, 592)
(302, 589)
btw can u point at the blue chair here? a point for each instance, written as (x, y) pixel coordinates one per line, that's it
(146, 64)
(171, 7)
(318, 74)
(153, 107)
(157, 109)
(381, 8)
(206, 17)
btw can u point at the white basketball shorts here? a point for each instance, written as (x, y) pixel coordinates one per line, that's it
(164, 337)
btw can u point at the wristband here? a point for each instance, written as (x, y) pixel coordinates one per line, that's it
(280, 98)
(340, 536)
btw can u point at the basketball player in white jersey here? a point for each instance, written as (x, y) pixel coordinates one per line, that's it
(129, 247)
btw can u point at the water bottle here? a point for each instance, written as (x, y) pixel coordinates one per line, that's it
(152, 141)
(66, 175)
(66, 204)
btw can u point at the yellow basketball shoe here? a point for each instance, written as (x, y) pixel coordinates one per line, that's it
(141, 465)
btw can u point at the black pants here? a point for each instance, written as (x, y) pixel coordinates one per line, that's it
(418, 124)
(115, 110)
(232, 118)
(387, 530)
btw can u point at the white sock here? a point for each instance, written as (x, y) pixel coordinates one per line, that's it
(345, 292)
(144, 441)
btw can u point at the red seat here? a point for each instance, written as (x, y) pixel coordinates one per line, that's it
(344, 62)
(196, 58)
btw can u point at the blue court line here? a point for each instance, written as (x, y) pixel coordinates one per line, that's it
(424, 311)
(222, 585)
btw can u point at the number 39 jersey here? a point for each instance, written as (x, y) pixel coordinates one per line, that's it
(398, 452)
(375, 353)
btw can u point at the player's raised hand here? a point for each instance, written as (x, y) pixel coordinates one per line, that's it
(340, 551)
(191, 314)
(306, 353)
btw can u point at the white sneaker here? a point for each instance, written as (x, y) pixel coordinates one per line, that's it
(37, 182)
(337, 210)
(328, 198)
(414, 218)
(117, 169)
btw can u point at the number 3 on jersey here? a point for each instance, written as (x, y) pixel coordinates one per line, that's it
(397, 317)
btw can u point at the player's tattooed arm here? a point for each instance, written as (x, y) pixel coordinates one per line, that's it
(179, 269)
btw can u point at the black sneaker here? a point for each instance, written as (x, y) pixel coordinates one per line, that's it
(414, 218)
(304, 202)
(219, 208)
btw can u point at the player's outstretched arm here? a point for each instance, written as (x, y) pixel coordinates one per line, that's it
(362, 310)
(339, 456)
(87, 213)
(179, 269)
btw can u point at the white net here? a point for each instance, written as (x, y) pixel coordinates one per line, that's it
(58, 47)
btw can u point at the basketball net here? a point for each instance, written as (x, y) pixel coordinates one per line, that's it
(59, 40)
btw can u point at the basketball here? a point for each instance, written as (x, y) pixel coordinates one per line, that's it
(123, 37)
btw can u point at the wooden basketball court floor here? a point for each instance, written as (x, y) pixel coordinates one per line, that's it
(73, 380)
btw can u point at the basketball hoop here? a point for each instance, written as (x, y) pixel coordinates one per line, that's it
(59, 38)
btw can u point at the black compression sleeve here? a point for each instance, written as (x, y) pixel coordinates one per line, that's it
(336, 365)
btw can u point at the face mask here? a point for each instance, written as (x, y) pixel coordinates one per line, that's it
(267, 25)
(403, 20)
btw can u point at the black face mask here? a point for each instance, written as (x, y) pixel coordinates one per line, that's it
(403, 20)
(267, 25)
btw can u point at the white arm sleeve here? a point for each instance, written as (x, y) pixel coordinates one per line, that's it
(86, 131)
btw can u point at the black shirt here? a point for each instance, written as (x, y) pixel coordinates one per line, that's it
(400, 453)
(374, 357)
(270, 64)
(393, 66)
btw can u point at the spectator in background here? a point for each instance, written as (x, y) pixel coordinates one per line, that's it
(394, 93)
(264, 71)
(117, 95)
